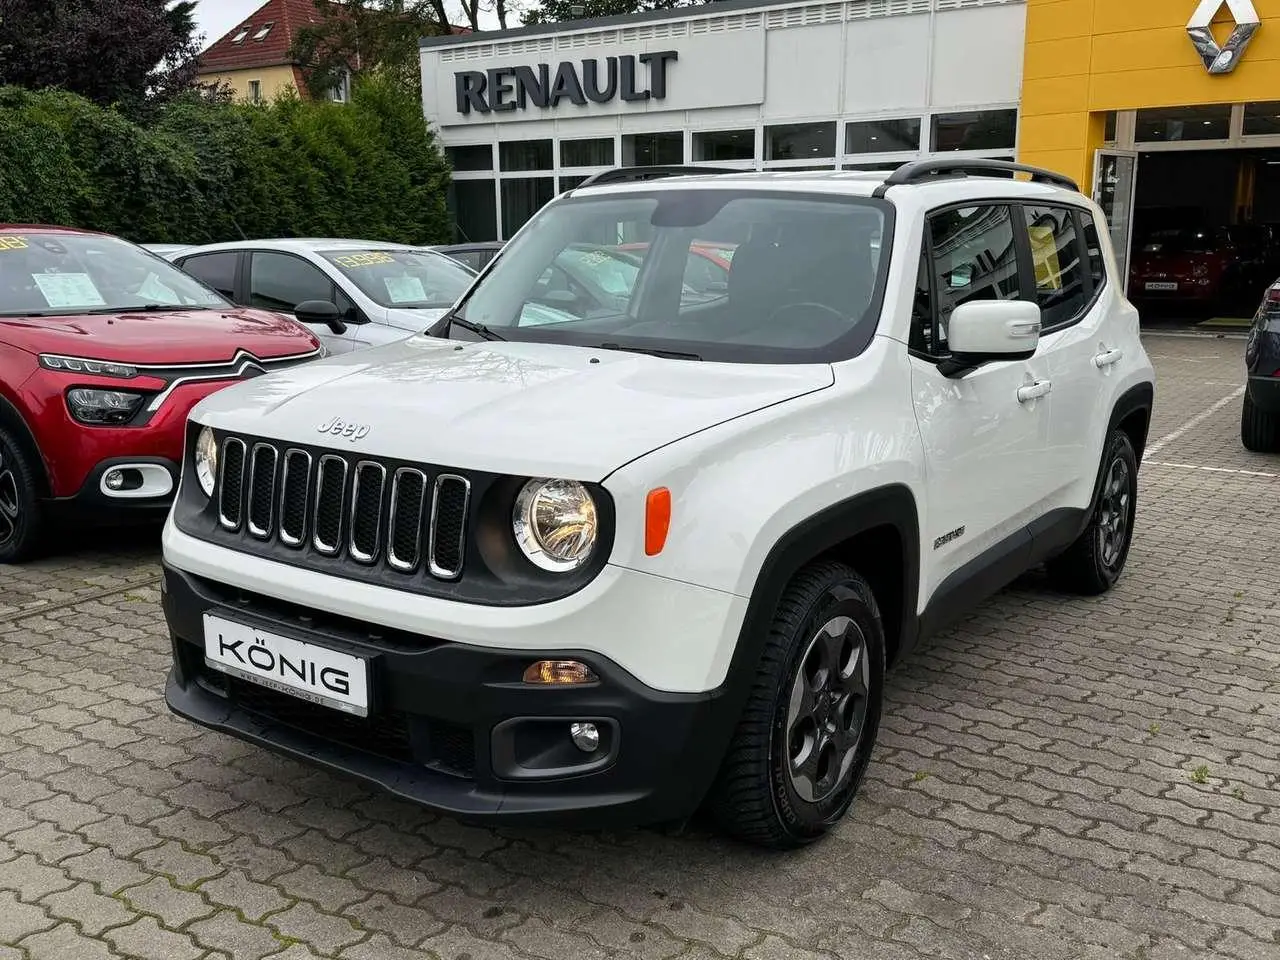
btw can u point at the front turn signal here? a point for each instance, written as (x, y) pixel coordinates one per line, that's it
(657, 520)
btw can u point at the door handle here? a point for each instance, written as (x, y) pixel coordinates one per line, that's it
(1034, 391)
(1107, 358)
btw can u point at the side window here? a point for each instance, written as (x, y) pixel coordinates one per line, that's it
(217, 270)
(1093, 246)
(280, 282)
(974, 257)
(1055, 258)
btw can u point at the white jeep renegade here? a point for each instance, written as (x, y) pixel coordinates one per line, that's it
(640, 524)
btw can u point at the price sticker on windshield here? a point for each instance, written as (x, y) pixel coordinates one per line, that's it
(363, 259)
(12, 243)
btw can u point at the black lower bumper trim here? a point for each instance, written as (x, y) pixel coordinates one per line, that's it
(451, 726)
(90, 504)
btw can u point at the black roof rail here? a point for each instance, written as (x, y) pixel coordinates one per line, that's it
(628, 174)
(920, 171)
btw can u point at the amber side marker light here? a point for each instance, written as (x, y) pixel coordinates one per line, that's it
(559, 673)
(657, 520)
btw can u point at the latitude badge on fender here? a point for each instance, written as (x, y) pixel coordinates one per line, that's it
(1222, 58)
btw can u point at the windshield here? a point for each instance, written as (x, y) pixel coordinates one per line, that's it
(719, 273)
(59, 274)
(1185, 241)
(412, 279)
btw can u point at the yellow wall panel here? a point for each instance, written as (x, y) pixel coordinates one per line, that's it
(274, 80)
(1058, 58)
(1138, 56)
(1058, 19)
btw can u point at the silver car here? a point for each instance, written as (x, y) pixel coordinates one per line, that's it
(350, 293)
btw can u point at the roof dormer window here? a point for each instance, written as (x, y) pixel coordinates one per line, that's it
(239, 37)
(262, 34)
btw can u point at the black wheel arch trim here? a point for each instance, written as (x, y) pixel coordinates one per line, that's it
(1140, 397)
(11, 418)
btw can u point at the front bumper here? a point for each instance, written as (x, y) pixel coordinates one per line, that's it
(152, 484)
(452, 727)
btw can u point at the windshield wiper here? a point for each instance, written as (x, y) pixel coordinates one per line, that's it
(652, 352)
(479, 329)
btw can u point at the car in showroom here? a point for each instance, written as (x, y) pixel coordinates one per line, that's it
(104, 349)
(1260, 413)
(351, 293)
(611, 569)
(1201, 268)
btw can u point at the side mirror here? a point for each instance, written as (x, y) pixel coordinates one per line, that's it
(983, 331)
(321, 311)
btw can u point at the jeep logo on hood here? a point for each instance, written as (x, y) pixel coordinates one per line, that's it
(340, 428)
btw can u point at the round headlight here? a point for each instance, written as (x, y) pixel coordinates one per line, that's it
(556, 524)
(206, 460)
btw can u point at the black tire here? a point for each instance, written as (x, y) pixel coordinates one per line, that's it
(1259, 429)
(757, 796)
(1095, 561)
(20, 511)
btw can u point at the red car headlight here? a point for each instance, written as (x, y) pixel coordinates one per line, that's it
(103, 407)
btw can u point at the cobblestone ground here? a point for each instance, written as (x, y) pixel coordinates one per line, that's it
(1057, 778)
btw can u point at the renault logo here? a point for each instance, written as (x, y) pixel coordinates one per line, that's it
(1220, 59)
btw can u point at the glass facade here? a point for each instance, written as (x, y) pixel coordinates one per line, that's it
(1184, 123)
(499, 186)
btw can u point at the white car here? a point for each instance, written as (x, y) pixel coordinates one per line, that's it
(350, 293)
(587, 563)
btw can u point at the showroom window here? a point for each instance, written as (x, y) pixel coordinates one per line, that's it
(1184, 123)
(800, 141)
(652, 149)
(1262, 119)
(475, 210)
(521, 199)
(568, 183)
(882, 136)
(721, 145)
(477, 157)
(597, 152)
(981, 130)
(525, 155)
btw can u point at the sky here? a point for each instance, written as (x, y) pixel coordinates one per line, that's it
(216, 17)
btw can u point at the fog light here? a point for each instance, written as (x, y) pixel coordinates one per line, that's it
(114, 480)
(585, 736)
(559, 673)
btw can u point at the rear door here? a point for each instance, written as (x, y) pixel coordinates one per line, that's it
(1082, 339)
(984, 436)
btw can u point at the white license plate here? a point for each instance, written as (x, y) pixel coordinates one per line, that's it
(1167, 287)
(304, 670)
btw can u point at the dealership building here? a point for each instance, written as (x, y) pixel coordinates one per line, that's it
(1166, 110)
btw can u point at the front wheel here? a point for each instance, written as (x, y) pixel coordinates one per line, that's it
(20, 515)
(1094, 562)
(805, 737)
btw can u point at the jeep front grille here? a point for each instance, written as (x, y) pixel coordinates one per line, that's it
(338, 507)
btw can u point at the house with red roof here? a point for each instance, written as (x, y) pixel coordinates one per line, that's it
(253, 57)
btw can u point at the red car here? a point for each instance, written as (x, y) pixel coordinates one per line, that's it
(1210, 267)
(104, 350)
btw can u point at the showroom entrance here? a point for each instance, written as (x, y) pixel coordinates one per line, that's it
(1192, 196)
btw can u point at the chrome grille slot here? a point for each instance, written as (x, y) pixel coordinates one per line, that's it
(262, 490)
(446, 549)
(331, 491)
(231, 484)
(366, 511)
(295, 485)
(404, 537)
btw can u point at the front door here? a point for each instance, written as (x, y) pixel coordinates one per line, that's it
(986, 434)
(1115, 181)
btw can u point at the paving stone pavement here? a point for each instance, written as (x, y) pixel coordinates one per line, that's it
(1056, 778)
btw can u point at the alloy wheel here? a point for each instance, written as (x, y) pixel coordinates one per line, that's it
(10, 505)
(827, 709)
(1113, 518)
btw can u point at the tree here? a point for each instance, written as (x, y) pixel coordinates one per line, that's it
(125, 52)
(556, 11)
(357, 37)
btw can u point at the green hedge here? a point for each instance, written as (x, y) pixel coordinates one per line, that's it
(205, 172)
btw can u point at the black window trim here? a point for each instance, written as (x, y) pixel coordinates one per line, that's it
(1026, 268)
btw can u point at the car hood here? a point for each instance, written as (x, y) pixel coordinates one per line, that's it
(161, 337)
(527, 409)
(414, 320)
